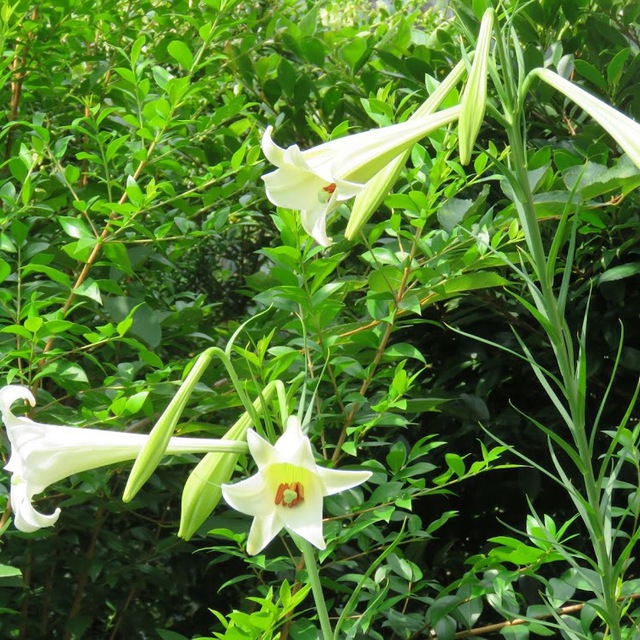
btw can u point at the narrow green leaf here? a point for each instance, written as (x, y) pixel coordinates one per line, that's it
(619, 273)
(136, 48)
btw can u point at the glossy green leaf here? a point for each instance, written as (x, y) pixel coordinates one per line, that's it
(180, 51)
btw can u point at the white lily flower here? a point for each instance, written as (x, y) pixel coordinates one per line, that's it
(317, 180)
(288, 489)
(42, 454)
(623, 129)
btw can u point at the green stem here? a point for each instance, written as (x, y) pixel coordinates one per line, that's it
(242, 394)
(557, 330)
(562, 343)
(316, 588)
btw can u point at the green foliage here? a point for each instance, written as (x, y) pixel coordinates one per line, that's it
(135, 235)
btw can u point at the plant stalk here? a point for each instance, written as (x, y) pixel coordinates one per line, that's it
(562, 343)
(316, 587)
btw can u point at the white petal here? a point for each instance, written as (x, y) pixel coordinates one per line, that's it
(292, 436)
(273, 153)
(261, 450)
(250, 496)
(294, 188)
(314, 222)
(9, 395)
(623, 129)
(305, 519)
(294, 448)
(297, 158)
(25, 517)
(263, 530)
(336, 480)
(346, 190)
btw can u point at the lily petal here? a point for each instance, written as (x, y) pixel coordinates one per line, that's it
(273, 153)
(11, 393)
(26, 518)
(624, 130)
(263, 530)
(314, 222)
(250, 496)
(337, 480)
(294, 447)
(261, 450)
(294, 188)
(306, 518)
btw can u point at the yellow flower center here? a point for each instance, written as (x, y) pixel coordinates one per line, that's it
(287, 483)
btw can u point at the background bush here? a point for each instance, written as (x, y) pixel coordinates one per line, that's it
(135, 233)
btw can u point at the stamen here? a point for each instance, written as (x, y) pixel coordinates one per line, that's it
(289, 494)
(330, 188)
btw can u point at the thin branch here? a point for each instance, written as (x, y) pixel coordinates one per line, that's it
(499, 626)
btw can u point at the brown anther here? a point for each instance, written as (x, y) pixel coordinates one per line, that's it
(330, 188)
(294, 488)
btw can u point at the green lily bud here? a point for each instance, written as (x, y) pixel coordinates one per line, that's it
(474, 96)
(376, 189)
(202, 490)
(154, 449)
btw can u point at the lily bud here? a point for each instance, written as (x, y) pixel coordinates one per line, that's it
(474, 96)
(376, 189)
(154, 449)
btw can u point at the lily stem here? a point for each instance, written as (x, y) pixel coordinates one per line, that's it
(562, 343)
(316, 588)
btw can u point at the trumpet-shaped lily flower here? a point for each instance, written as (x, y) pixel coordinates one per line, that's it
(42, 454)
(317, 180)
(288, 489)
(624, 130)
